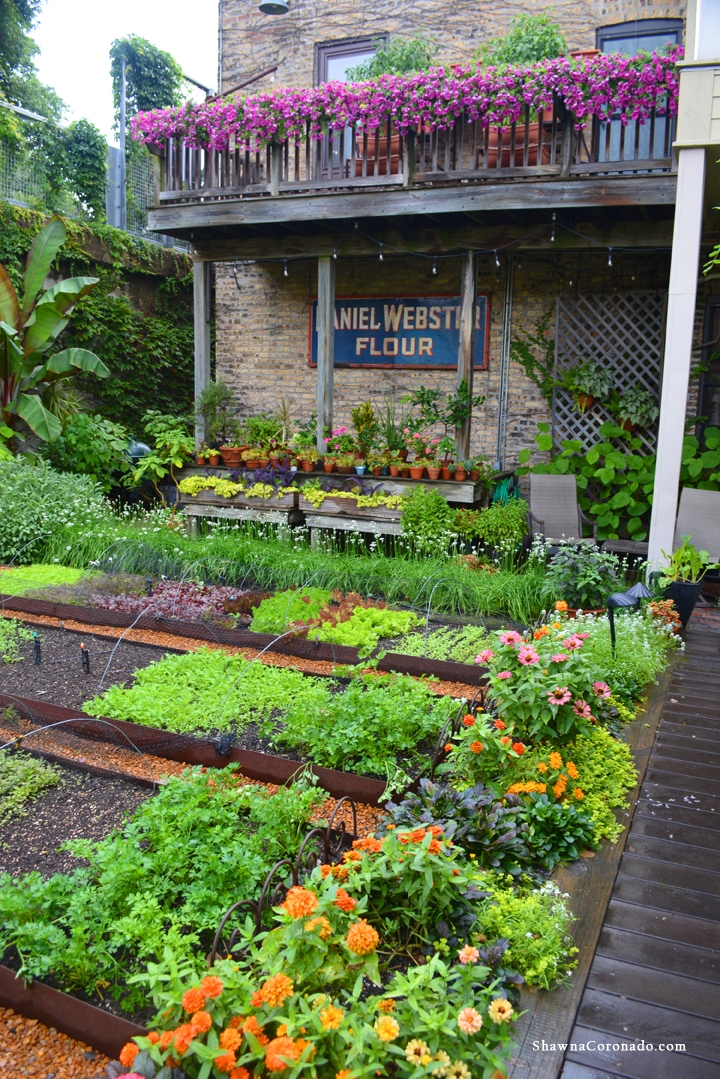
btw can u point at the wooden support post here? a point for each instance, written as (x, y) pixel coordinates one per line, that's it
(466, 347)
(275, 168)
(325, 347)
(201, 305)
(409, 159)
(567, 138)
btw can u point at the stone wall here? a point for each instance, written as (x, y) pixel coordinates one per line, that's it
(252, 41)
(262, 320)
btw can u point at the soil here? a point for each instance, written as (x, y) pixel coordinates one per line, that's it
(83, 806)
(60, 678)
(34, 1051)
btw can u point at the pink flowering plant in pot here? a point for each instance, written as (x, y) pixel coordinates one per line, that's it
(340, 441)
(542, 683)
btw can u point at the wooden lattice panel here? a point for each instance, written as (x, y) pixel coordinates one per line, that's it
(623, 331)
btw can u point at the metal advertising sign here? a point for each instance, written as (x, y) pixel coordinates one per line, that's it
(403, 331)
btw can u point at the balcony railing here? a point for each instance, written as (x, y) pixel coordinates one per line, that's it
(543, 144)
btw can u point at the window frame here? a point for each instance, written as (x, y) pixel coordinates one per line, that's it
(712, 304)
(637, 28)
(348, 46)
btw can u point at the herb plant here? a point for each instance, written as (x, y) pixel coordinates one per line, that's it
(449, 642)
(12, 632)
(279, 612)
(427, 520)
(530, 38)
(23, 778)
(557, 832)
(583, 576)
(686, 564)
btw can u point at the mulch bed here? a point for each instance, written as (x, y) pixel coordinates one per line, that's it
(34, 1051)
(83, 806)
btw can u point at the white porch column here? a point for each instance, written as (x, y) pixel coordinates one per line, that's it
(325, 347)
(682, 294)
(201, 310)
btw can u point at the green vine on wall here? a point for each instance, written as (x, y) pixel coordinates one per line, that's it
(534, 350)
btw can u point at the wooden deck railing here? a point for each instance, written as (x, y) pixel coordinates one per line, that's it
(541, 144)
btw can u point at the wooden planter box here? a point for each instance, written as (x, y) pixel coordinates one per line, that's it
(209, 498)
(345, 515)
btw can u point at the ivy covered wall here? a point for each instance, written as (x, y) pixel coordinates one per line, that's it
(138, 320)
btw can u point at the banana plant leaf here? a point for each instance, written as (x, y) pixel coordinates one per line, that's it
(37, 417)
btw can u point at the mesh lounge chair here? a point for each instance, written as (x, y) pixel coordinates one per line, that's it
(554, 511)
(698, 517)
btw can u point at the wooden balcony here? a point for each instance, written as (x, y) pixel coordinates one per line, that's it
(542, 160)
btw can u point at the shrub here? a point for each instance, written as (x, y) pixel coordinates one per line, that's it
(558, 832)
(530, 38)
(22, 778)
(583, 576)
(91, 446)
(501, 526)
(427, 520)
(366, 728)
(207, 690)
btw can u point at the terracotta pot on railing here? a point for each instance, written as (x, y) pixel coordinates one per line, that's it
(584, 54)
(378, 166)
(533, 136)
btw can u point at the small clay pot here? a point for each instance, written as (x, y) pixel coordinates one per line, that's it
(346, 470)
(405, 473)
(585, 400)
(446, 473)
(252, 464)
(263, 462)
(434, 473)
(275, 462)
(403, 455)
(377, 470)
(214, 459)
(200, 459)
(628, 425)
(357, 454)
(231, 455)
(417, 472)
(460, 474)
(474, 474)
(307, 466)
(329, 466)
(394, 470)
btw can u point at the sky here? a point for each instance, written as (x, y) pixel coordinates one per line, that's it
(74, 37)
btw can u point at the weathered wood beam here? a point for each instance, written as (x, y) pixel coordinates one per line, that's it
(325, 347)
(521, 195)
(618, 235)
(201, 296)
(466, 345)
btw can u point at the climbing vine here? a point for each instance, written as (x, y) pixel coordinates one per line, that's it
(534, 350)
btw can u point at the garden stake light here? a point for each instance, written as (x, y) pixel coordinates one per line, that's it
(85, 658)
(148, 586)
(37, 654)
(623, 600)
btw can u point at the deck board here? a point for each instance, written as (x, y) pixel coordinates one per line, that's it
(655, 976)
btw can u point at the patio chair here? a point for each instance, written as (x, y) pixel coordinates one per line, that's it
(699, 518)
(554, 511)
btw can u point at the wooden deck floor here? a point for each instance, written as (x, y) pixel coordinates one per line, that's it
(655, 977)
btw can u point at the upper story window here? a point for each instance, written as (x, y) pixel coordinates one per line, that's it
(640, 35)
(707, 34)
(335, 57)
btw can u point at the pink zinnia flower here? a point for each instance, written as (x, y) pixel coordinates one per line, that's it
(485, 656)
(602, 689)
(582, 636)
(468, 954)
(510, 637)
(528, 656)
(469, 1021)
(582, 708)
(572, 643)
(505, 674)
(559, 695)
(559, 658)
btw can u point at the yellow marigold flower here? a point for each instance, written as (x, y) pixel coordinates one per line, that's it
(578, 794)
(500, 1011)
(557, 625)
(415, 1050)
(325, 927)
(469, 1020)
(362, 939)
(300, 902)
(386, 1006)
(542, 767)
(387, 1028)
(572, 770)
(331, 1017)
(555, 760)
(276, 990)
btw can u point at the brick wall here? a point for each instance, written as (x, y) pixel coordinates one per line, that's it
(262, 330)
(253, 41)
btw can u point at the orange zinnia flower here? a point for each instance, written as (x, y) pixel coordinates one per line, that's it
(344, 901)
(519, 748)
(236, 1020)
(561, 605)
(368, 843)
(193, 1001)
(555, 760)
(331, 1017)
(279, 1048)
(578, 794)
(435, 847)
(572, 770)
(128, 1053)
(165, 1038)
(183, 1037)
(362, 939)
(251, 1026)
(341, 872)
(499, 725)
(387, 1028)
(344, 1074)
(476, 747)
(225, 1062)
(276, 990)
(352, 856)
(542, 767)
(506, 739)
(325, 871)
(386, 1006)
(448, 747)
(300, 902)
(211, 987)
(230, 1039)
(153, 1037)
(201, 1023)
(435, 830)
(469, 720)
(239, 1073)
(325, 927)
